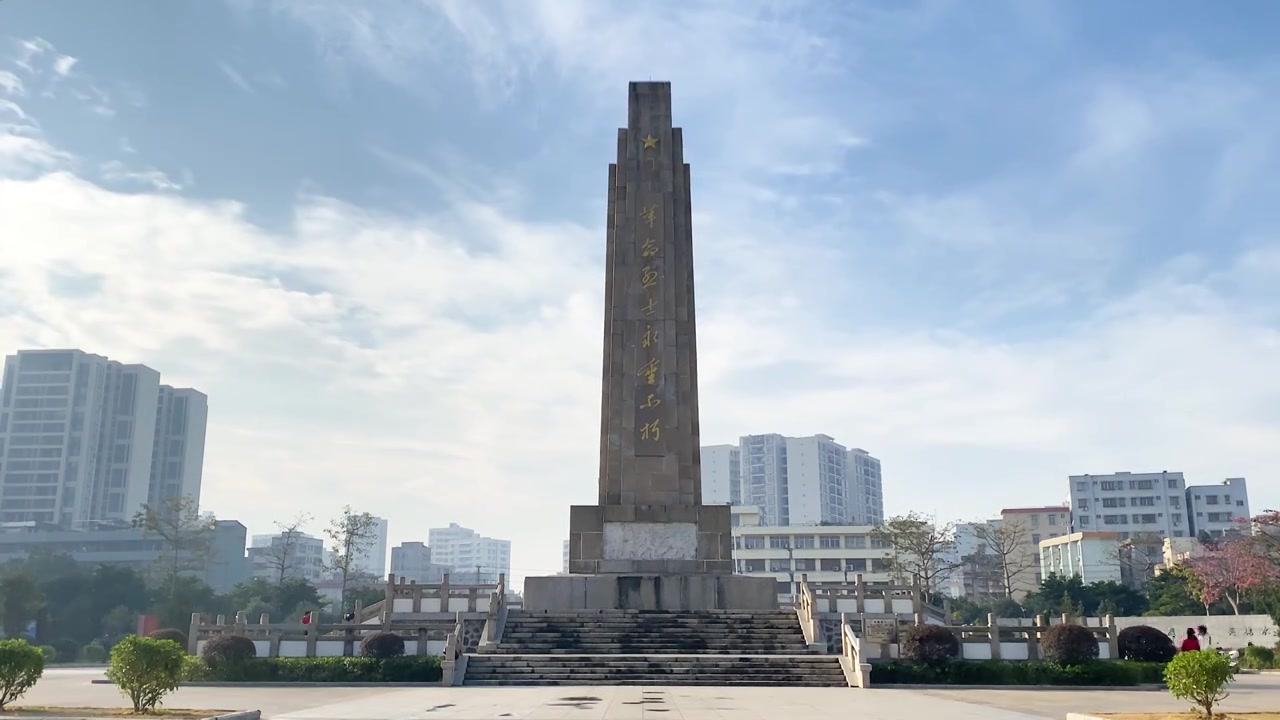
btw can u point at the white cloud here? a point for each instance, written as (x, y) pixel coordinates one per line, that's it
(11, 84)
(28, 50)
(386, 361)
(63, 64)
(117, 172)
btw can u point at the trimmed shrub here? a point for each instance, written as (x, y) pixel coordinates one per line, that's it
(21, 665)
(411, 669)
(194, 669)
(1145, 644)
(1200, 677)
(49, 653)
(382, 645)
(170, 634)
(146, 669)
(228, 650)
(93, 653)
(65, 650)
(1068, 644)
(1096, 673)
(929, 644)
(1258, 658)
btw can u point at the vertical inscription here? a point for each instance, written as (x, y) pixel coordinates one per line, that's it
(651, 424)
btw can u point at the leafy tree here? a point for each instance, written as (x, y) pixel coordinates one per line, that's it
(279, 601)
(174, 601)
(351, 535)
(22, 602)
(1172, 593)
(1232, 569)
(282, 555)
(922, 548)
(21, 665)
(1072, 596)
(1200, 677)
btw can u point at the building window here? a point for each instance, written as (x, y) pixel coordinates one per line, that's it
(1035, 520)
(880, 543)
(855, 542)
(1084, 504)
(1112, 485)
(1053, 519)
(804, 542)
(805, 564)
(1177, 533)
(1210, 499)
(1084, 520)
(1145, 502)
(779, 541)
(1175, 501)
(779, 566)
(855, 565)
(1144, 484)
(1239, 503)
(1081, 486)
(753, 542)
(829, 565)
(1173, 483)
(1115, 519)
(1035, 538)
(829, 541)
(1177, 518)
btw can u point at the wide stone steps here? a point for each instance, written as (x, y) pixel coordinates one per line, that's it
(649, 670)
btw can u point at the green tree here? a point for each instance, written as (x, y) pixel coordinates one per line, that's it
(174, 601)
(351, 535)
(186, 537)
(22, 603)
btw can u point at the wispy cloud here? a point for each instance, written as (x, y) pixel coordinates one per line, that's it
(63, 63)
(11, 84)
(115, 171)
(235, 77)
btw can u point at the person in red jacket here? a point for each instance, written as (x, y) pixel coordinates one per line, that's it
(1190, 643)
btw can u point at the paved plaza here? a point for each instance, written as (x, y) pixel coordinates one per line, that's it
(73, 687)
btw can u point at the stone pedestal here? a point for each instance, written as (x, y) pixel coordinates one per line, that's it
(650, 539)
(679, 593)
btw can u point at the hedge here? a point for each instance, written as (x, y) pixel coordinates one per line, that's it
(999, 672)
(415, 669)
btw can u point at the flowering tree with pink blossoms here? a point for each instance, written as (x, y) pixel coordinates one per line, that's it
(1231, 569)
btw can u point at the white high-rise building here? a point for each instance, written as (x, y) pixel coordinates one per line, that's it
(795, 481)
(866, 488)
(295, 555)
(1131, 504)
(721, 475)
(412, 561)
(471, 557)
(78, 436)
(374, 560)
(1219, 509)
(817, 489)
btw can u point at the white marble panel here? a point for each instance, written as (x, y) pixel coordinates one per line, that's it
(650, 541)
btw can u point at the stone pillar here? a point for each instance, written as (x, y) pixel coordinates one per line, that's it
(444, 593)
(993, 626)
(860, 590)
(1113, 638)
(193, 633)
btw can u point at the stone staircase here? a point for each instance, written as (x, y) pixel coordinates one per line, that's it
(628, 647)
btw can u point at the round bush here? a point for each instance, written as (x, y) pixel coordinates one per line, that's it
(21, 665)
(225, 649)
(929, 644)
(1258, 658)
(382, 645)
(50, 654)
(146, 669)
(1068, 644)
(1145, 644)
(170, 634)
(66, 650)
(93, 653)
(1201, 677)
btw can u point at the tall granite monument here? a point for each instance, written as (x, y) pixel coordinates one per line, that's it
(650, 543)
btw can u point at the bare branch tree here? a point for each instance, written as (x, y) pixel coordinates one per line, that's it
(921, 547)
(187, 536)
(352, 534)
(1006, 542)
(282, 555)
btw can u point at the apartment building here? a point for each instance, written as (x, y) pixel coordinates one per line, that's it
(85, 439)
(289, 554)
(866, 488)
(1219, 509)
(412, 561)
(470, 557)
(721, 475)
(1030, 526)
(1131, 504)
(833, 554)
(1091, 556)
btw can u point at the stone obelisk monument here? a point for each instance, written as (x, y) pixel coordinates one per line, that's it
(649, 543)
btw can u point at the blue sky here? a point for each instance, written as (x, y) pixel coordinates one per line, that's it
(993, 243)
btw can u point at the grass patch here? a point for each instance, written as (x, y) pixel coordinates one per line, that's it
(88, 712)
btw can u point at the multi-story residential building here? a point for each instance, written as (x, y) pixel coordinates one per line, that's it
(817, 488)
(795, 481)
(412, 561)
(78, 435)
(1132, 504)
(127, 546)
(831, 554)
(1218, 510)
(471, 557)
(764, 477)
(373, 561)
(972, 573)
(1091, 556)
(293, 554)
(721, 475)
(1024, 529)
(866, 488)
(177, 456)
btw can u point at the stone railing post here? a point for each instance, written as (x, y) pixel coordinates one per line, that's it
(241, 621)
(415, 590)
(860, 593)
(444, 593)
(1113, 638)
(313, 633)
(389, 598)
(993, 627)
(917, 599)
(193, 634)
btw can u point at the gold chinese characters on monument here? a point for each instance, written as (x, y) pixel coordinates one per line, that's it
(647, 326)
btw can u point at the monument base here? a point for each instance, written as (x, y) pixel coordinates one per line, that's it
(681, 593)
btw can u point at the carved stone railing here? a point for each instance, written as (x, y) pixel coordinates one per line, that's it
(805, 609)
(856, 669)
(316, 639)
(496, 621)
(453, 661)
(405, 597)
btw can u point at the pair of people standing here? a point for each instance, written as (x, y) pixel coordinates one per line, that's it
(1197, 638)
